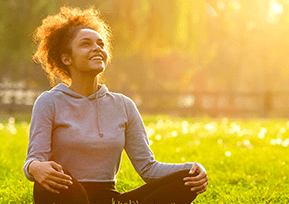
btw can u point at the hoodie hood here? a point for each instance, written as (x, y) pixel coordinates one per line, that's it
(100, 93)
(64, 89)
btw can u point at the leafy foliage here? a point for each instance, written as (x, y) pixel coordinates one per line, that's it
(142, 31)
(18, 20)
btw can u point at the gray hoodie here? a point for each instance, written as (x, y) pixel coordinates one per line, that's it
(87, 135)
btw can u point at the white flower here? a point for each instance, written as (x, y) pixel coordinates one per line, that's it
(158, 137)
(228, 153)
(150, 131)
(282, 130)
(225, 120)
(279, 141)
(185, 130)
(246, 142)
(273, 142)
(285, 143)
(263, 130)
(220, 141)
(261, 135)
(150, 142)
(174, 133)
(11, 120)
(185, 124)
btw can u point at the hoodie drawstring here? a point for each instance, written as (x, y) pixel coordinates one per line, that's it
(97, 113)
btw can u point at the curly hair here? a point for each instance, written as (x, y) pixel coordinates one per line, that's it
(56, 34)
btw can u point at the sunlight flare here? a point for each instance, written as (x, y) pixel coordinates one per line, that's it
(276, 8)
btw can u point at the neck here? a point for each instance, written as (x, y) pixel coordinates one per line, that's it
(84, 86)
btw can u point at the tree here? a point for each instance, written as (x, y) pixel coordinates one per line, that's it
(144, 31)
(251, 45)
(18, 20)
(147, 30)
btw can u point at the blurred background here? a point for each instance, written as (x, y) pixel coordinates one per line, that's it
(184, 57)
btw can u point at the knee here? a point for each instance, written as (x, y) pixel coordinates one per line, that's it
(182, 174)
(39, 189)
(40, 194)
(178, 180)
(74, 194)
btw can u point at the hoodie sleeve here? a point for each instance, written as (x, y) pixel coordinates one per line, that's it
(138, 150)
(39, 147)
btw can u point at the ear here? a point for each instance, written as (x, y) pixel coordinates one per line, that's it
(66, 59)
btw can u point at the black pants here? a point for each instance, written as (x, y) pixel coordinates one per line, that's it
(166, 190)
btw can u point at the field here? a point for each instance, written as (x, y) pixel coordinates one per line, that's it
(247, 160)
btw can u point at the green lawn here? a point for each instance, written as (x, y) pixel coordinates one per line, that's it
(247, 160)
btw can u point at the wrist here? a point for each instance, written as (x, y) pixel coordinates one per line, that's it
(31, 166)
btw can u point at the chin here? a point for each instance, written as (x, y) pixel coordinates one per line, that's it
(97, 70)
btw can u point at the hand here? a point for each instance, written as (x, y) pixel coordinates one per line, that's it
(50, 175)
(199, 182)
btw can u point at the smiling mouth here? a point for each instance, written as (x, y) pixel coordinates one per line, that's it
(96, 58)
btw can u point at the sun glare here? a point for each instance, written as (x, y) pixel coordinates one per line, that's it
(276, 7)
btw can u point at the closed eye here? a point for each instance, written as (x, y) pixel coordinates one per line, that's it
(85, 43)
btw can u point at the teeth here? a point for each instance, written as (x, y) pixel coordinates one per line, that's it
(97, 58)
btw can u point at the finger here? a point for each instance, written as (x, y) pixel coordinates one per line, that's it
(196, 178)
(196, 183)
(48, 188)
(61, 175)
(56, 186)
(202, 168)
(61, 181)
(200, 188)
(199, 192)
(203, 190)
(193, 169)
(56, 166)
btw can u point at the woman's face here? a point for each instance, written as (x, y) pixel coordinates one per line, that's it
(88, 53)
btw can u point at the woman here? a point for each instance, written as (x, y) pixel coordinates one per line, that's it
(79, 129)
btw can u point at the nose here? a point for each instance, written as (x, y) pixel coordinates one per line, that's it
(96, 47)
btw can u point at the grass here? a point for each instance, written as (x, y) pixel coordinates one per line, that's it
(247, 160)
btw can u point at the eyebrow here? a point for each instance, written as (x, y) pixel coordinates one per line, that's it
(83, 39)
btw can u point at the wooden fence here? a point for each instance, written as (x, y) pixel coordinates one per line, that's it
(261, 104)
(214, 104)
(17, 100)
